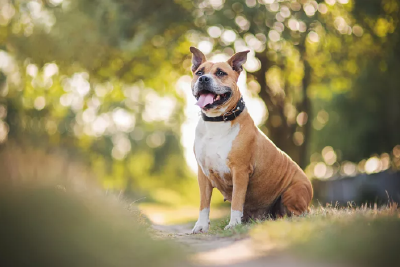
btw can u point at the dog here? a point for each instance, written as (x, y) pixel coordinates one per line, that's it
(234, 156)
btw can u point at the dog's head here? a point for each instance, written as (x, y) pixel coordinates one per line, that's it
(214, 85)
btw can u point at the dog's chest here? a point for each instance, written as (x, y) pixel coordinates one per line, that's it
(213, 143)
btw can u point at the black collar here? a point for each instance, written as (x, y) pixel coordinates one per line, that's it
(228, 116)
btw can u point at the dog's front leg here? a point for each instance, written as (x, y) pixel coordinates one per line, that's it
(203, 223)
(240, 183)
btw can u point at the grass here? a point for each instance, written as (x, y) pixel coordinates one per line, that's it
(52, 214)
(45, 226)
(353, 236)
(359, 236)
(51, 217)
(241, 230)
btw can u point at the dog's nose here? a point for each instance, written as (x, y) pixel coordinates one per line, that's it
(204, 79)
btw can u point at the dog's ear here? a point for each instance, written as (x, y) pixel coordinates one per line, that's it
(237, 60)
(198, 58)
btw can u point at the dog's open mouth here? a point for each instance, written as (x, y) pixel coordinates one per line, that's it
(207, 99)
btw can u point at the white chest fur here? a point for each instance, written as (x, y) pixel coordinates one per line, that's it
(212, 145)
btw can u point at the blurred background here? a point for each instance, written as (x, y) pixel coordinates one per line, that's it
(100, 91)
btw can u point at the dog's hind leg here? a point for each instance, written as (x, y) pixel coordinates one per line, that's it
(297, 197)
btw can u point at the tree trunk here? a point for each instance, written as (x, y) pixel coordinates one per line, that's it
(279, 130)
(305, 107)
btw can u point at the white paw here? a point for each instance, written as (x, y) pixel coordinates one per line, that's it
(201, 227)
(232, 224)
(236, 218)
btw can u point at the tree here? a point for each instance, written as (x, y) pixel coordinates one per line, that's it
(98, 79)
(307, 51)
(369, 112)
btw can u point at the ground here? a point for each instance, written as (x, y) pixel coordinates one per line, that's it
(327, 236)
(214, 250)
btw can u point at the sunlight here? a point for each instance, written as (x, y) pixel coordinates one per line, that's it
(32, 70)
(78, 84)
(349, 169)
(329, 155)
(313, 37)
(396, 151)
(40, 103)
(217, 4)
(50, 69)
(322, 8)
(320, 170)
(372, 165)
(268, 1)
(4, 129)
(214, 31)
(56, 2)
(242, 22)
(158, 108)
(100, 124)
(229, 36)
(252, 64)
(274, 36)
(251, 3)
(330, 2)
(293, 24)
(124, 121)
(309, 9)
(122, 146)
(97, 118)
(155, 139)
(358, 30)
(205, 46)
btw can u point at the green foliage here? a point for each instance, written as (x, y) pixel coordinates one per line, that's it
(97, 79)
(313, 56)
(367, 111)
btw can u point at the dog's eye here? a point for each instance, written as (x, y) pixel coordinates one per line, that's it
(220, 73)
(199, 73)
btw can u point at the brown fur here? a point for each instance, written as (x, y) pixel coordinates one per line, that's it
(263, 180)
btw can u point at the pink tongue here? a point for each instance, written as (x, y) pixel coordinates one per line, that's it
(204, 100)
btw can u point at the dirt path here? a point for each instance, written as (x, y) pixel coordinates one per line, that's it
(210, 250)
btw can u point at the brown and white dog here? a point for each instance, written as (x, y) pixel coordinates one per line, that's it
(234, 156)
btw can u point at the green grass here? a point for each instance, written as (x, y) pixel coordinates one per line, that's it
(354, 236)
(53, 213)
(217, 228)
(46, 226)
(360, 236)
